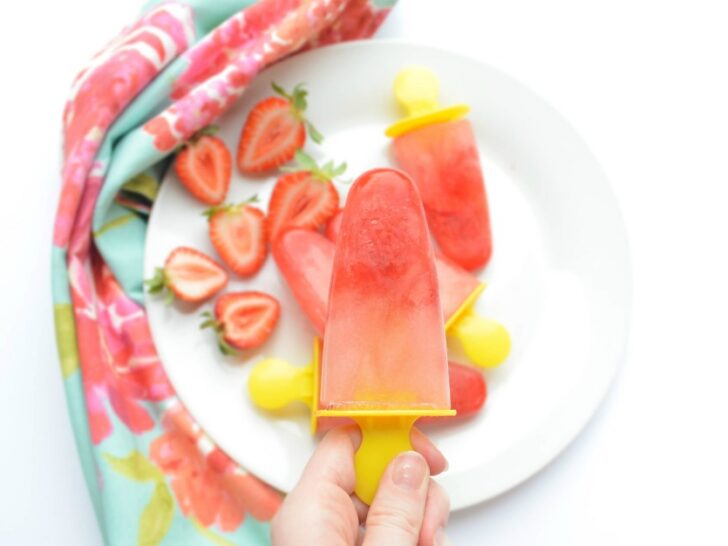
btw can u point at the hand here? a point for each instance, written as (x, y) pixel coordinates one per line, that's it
(409, 508)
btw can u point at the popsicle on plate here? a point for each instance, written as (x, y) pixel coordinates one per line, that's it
(305, 259)
(437, 148)
(384, 362)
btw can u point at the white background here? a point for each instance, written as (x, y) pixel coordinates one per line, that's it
(644, 82)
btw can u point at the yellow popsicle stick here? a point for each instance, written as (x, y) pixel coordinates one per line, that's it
(385, 434)
(486, 342)
(417, 90)
(383, 438)
(274, 384)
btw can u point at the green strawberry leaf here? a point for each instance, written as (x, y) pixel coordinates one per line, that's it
(158, 282)
(314, 133)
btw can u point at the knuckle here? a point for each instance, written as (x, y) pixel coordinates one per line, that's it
(397, 518)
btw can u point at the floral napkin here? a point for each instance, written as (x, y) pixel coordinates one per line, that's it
(154, 476)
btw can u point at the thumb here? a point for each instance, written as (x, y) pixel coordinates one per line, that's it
(395, 516)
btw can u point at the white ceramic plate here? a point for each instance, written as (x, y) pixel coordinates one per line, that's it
(559, 277)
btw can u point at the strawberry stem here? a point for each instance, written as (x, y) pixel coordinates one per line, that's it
(316, 136)
(299, 102)
(219, 329)
(325, 173)
(158, 284)
(229, 207)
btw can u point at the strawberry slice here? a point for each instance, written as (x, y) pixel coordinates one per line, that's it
(275, 128)
(238, 234)
(188, 275)
(242, 320)
(204, 167)
(305, 197)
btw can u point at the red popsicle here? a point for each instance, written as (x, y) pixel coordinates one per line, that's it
(438, 150)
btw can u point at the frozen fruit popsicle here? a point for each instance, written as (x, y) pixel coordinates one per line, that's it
(485, 341)
(437, 148)
(384, 362)
(306, 258)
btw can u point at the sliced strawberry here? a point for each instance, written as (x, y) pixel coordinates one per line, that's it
(275, 128)
(333, 226)
(188, 275)
(243, 320)
(304, 198)
(204, 166)
(238, 234)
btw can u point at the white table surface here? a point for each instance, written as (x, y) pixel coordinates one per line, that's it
(644, 82)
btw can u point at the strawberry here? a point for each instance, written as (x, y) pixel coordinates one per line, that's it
(204, 166)
(188, 275)
(242, 320)
(275, 128)
(238, 234)
(305, 197)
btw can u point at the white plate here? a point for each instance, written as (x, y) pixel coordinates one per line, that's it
(559, 278)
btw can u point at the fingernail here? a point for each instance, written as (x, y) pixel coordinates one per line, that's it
(441, 538)
(410, 470)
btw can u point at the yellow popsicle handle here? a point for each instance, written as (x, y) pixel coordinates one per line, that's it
(486, 342)
(274, 383)
(417, 90)
(383, 438)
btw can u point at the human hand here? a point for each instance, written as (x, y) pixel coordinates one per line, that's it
(409, 508)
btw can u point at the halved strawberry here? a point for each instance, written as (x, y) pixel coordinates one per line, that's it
(188, 275)
(333, 226)
(276, 127)
(303, 198)
(243, 320)
(204, 166)
(238, 234)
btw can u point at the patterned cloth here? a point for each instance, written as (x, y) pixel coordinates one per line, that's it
(153, 474)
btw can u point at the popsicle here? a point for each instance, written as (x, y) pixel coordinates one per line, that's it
(437, 148)
(305, 259)
(384, 362)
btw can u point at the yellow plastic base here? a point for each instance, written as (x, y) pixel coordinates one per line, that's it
(466, 306)
(410, 123)
(417, 90)
(385, 434)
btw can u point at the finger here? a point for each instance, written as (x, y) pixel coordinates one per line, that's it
(437, 512)
(319, 509)
(361, 509)
(333, 460)
(395, 515)
(435, 459)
